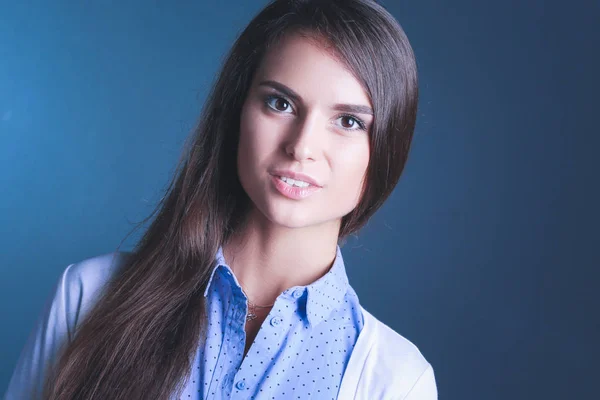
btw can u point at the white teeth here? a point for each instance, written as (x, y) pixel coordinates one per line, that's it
(293, 182)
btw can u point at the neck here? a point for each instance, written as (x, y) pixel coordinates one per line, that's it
(268, 259)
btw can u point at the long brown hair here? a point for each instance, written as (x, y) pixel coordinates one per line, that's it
(140, 338)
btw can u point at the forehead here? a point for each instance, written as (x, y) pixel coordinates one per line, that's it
(312, 71)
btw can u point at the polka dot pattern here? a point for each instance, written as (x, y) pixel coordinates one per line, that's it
(301, 349)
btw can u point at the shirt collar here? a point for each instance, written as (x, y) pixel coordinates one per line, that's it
(327, 293)
(324, 296)
(219, 262)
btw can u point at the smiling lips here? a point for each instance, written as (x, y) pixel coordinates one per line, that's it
(294, 185)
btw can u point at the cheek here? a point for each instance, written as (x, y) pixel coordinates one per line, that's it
(257, 140)
(246, 150)
(247, 133)
(352, 167)
(249, 146)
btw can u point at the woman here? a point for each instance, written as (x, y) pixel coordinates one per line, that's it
(238, 287)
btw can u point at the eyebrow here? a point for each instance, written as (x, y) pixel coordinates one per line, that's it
(351, 108)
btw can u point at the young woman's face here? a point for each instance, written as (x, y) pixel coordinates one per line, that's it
(305, 118)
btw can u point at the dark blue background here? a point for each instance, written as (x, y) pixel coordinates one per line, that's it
(484, 256)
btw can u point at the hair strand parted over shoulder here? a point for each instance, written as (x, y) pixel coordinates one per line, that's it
(140, 339)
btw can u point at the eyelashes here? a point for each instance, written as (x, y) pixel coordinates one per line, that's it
(359, 122)
(269, 98)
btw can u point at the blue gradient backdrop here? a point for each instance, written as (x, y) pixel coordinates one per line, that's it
(484, 256)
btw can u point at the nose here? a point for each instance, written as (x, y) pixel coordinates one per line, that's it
(305, 139)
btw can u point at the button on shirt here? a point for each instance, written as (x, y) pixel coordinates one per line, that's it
(301, 350)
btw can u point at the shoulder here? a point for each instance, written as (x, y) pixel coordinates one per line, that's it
(80, 284)
(76, 291)
(94, 271)
(394, 367)
(393, 349)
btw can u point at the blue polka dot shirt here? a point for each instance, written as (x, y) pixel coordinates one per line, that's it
(300, 352)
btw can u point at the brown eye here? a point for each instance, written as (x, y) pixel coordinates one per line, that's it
(281, 104)
(349, 122)
(352, 123)
(278, 104)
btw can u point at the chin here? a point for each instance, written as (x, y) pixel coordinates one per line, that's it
(294, 214)
(293, 220)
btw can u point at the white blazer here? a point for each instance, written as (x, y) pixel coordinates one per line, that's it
(383, 364)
